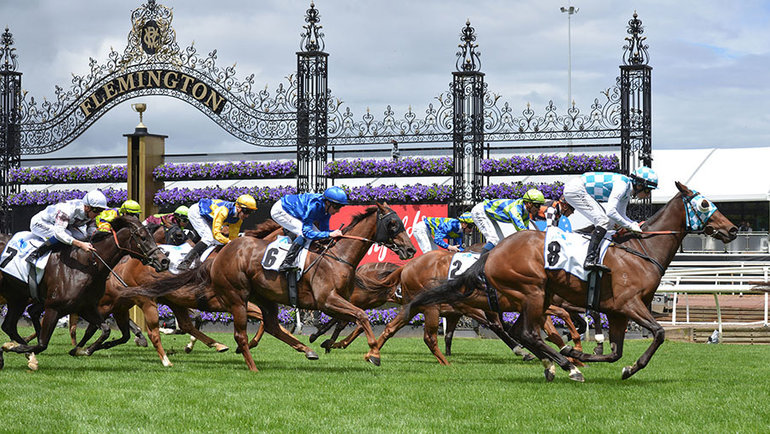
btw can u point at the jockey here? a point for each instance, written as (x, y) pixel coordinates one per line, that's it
(553, 210)
(129, 207)
(68, 222)
(177, 218)
(307, 216)
(586, 191)
(430, 232)
(489, 214)
(207, 218)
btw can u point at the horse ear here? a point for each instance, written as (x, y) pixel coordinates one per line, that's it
(682, 188)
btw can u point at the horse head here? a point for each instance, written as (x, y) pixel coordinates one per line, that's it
(702, 215)
(140, 244)
(392, 233)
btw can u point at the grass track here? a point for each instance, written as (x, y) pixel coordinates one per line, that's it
(686, 388)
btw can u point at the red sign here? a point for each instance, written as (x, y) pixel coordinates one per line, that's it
(410, 214)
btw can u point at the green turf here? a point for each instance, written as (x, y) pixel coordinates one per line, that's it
(686, 388)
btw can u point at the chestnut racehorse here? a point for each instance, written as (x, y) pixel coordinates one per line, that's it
(374, 287)
(515, 268)
(74, 280)
(179, 301)
(237, 277)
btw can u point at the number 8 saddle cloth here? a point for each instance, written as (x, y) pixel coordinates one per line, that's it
(567, 251)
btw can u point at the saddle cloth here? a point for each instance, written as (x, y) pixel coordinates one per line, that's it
(460, 262)
(13, 259)
(276, 252)
(177, 253)
(567, 251)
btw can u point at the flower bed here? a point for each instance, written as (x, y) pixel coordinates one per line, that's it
(45, 197)
(360, 168)
(517, 189)
(225, 170)
(550, 164)
(179, 196)
(76, 174)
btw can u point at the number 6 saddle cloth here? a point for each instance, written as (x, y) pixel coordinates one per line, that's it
(277, 250)
(567, 251)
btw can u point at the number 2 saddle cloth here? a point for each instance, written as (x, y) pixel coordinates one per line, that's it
(567, 251)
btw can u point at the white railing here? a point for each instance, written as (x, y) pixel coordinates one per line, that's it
(746, 242)
(715, 278)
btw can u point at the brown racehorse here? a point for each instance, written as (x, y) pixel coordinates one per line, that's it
(516, 270)
(179, 301)
(74, 279)
(374, 287)
(237, 277)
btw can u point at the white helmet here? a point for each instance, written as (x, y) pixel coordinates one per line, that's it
(95, 199)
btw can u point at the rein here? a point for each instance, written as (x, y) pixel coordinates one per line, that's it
(110, 268)
(125, 249)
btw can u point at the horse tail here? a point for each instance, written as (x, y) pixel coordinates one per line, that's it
(384, 279)
(760, 286)
(449, 291)
(199, 277)
(263, 229)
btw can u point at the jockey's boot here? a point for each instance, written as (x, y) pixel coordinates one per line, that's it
(40, 251)
(291, 257)
(593, 260)
(192, 255)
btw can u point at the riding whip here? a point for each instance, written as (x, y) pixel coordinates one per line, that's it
(110, 268)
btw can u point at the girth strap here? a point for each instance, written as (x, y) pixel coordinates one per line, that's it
(641, 255)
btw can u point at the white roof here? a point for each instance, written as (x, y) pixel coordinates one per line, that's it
(721, 174)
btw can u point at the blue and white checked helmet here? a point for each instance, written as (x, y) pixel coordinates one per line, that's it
(645, 176)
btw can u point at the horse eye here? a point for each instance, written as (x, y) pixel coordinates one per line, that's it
(704, 204)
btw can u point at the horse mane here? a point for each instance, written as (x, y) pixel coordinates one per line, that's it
(263, 229)
(358, 217)
(99, 236)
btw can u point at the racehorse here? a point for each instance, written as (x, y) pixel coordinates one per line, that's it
(179, 301)
(237, 277)
(73, 280)
(374, 287)
(516, 271)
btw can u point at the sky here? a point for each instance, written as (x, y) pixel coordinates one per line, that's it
(709, 59)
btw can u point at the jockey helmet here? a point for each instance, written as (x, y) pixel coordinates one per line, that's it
(646, 177)
(181, 211)
(130, 207)
(336, 195)
(246, 201)
(95, 199)
(466, 217)
(534, 195)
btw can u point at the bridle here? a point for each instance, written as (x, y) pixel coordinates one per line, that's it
(145, 254)
(696, 219)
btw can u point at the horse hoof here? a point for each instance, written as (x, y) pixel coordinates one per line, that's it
(598, 351)
(527, 357)
(32, 362)
(311, 355)
(74, 352)
(140, 341)
(327, 344)
(576, 375)
(627, 372)
(238, 350)
(374, 360)
(187, 349)
(549, 375)
(221, 348)
(8, 346)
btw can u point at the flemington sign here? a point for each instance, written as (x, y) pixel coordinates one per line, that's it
(153, 79)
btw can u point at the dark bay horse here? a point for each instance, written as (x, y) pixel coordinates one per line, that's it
(374, 287)
(134, 273)
(515, 269)
(237, 277)
(74, 280)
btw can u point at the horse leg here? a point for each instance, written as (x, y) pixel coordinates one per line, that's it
(452, 320)
(430, 335)
(73, 328)
(642, 316)
(403, 317)
(598, 332)
(185, 324)
(78, 349)
(35, 311)
(139, 338)
(273, 327)
(150, 309)
(323, 328)
(573, 333)
(349, 340)
(338, 328)
(553, 336)
(254, 313)
(11, 322)
(121, 319)
(618, 324)
(338, 307)
(50, 317)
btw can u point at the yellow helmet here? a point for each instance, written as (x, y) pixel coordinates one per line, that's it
(246, 201)
(130, 207)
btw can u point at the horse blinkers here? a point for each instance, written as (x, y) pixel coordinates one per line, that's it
(389, 226)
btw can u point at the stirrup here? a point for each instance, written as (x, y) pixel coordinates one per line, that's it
(598, 266)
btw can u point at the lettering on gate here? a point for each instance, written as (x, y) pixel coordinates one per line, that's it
(153, 79)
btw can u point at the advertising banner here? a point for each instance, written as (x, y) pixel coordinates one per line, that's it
(410, 214)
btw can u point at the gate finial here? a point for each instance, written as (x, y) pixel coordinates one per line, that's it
(468, 59)
(312, 37)
(635, 48)
(7, 52)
